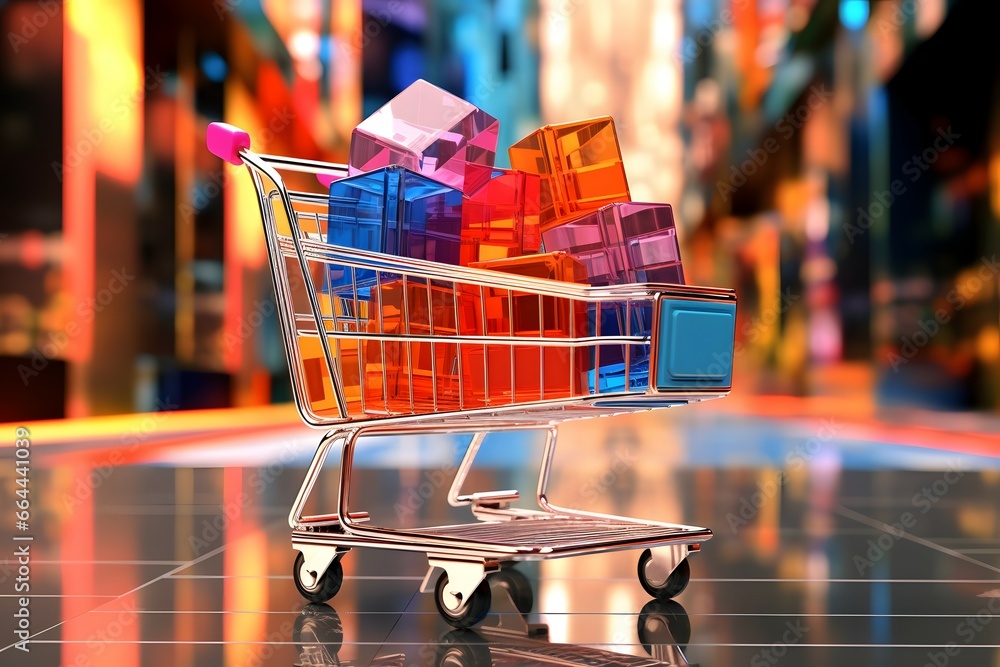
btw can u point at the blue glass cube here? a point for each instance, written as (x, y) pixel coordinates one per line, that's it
(608, 362)
(397, 212)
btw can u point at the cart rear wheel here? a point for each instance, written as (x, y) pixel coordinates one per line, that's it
(663, 622)
(317, 588)
(676, 582)
(518, 587)
(472, 610)
(318, 628)
(463, 648)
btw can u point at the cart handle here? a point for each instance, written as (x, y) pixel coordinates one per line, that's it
(226, 141)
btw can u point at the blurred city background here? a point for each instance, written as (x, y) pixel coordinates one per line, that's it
(837, 162)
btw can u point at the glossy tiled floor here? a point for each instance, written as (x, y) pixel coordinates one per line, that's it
(175, 550)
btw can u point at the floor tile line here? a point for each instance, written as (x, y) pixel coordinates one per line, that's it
(542, 614)
(289, 578)
(220, 642)
(134, 590)
(875, 523)
(57, 595)
(108, 562)
(693, 579)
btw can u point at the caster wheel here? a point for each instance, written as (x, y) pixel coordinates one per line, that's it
(663, 622)
(471, 612)
(463, 648)
(664, 590)
(317, 629)
(517, 586)
(319, 590)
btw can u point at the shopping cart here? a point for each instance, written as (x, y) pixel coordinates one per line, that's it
(423, 365)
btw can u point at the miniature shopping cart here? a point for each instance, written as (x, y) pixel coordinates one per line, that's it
(428, 364)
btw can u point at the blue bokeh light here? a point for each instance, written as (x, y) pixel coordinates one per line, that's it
(854, 13)
(213, 66)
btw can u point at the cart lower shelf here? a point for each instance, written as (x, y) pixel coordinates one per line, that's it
(544, 535)
(551, 535)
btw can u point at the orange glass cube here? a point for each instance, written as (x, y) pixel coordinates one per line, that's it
(396, 368)
(505, 373)
(347, 355)
(579, 164)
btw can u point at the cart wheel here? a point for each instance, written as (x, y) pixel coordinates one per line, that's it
(318, 628)
(463, 648)
(517, 586)
(663, 622)
(471, 612)
(321, 590)
(674, 584)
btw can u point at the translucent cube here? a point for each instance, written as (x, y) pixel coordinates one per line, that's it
(500, 219)
(394, 211)
(429, 131)
(580, 166)
(622, 243)
(401, 371)
(618, 244)
(502, 373)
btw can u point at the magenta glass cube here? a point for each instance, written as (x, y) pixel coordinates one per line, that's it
(429, 131)
(624, 242)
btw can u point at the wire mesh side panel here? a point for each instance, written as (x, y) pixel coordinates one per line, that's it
(413, 342)
(297, 286)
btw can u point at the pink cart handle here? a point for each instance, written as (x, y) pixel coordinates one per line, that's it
(226, 141)
(325, 178)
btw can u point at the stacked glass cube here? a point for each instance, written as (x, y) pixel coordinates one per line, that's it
(422, 184)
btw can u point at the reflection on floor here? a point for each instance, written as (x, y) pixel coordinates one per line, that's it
(832, 546)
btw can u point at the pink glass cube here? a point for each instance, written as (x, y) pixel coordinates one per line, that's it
(429, 131)
(625, 242)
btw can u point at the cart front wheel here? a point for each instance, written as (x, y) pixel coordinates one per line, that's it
(471, 611)
(316, 587)
(666, 589)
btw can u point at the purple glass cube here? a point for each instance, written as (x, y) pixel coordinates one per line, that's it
(625, 242)
(429, 131)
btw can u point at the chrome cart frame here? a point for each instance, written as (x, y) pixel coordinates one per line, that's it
(345, 326)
